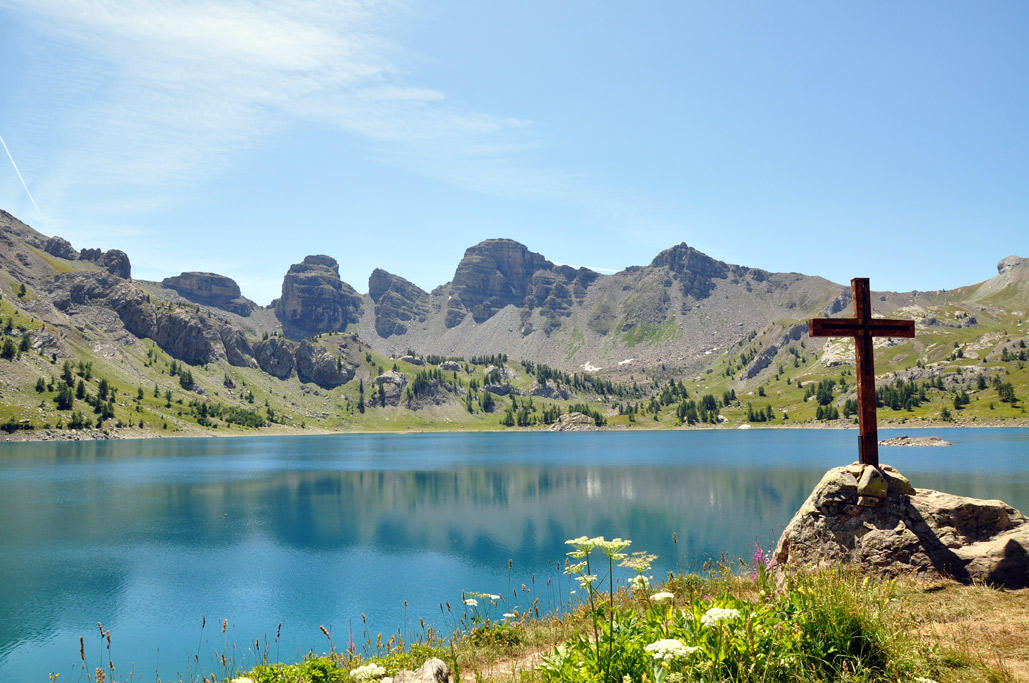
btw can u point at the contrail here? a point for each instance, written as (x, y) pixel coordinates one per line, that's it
(19, 176)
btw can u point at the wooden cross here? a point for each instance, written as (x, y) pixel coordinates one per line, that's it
(862, 327)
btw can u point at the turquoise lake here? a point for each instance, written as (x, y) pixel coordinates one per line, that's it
(153, 537)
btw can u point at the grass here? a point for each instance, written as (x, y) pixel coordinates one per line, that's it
(732, 623)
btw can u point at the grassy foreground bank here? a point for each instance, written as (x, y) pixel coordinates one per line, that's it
(730, 622)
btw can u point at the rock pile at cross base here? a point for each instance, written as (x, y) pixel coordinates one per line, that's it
(873, 518)
(432, 671)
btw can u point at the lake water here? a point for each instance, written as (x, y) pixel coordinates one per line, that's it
(152, 537)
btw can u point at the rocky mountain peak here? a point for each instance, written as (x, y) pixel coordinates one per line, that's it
(1009, 263)
(492, 274)
(397, 302)
(315, 299)
(211, 289)
(695, 270)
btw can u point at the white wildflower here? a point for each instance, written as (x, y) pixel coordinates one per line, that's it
(368, 672)
(639, 582)
(494, 596)
(639, 562)
(471, 602)
(586, 580)
(670, 648)
(718, 614)
(663, 596)
(612, 548)
(242, 679)
(510, 615)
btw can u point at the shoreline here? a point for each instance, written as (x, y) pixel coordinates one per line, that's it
(128, 434)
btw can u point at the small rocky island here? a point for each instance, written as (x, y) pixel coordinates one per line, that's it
(914, 441)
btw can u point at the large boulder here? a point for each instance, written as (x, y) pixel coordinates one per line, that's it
(315, 300)
(432, 671)
(315, 364)
(114, 261)
(211, 289)
(873, 518)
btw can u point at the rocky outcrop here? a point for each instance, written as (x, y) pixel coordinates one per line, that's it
(549, 389)
(315, 364)
(498, 388)
(61, 248)
(114, 261)
(391, 387)
(211, 289)
(876, 520)
(276, 356)
(187, 336)
(238, 350)
(501, 272)
(1009, 263)
(574, 422)
(180, 332)
(432, 671)
(915, 441)
(768, 354)
(397, 303)
(695, 271)
(315, 300)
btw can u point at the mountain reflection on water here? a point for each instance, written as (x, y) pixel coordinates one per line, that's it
(151, 536)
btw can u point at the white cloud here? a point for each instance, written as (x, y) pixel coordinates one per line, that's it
(155, 96)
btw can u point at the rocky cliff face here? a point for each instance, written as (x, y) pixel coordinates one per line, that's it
(315, 364)
(397, 302)
(211, 289)
(114, 261)
(695, 271)
(238, 350)
(61, 248)
(501, 272)
(276, 356)
(315, 300)
(182, 333)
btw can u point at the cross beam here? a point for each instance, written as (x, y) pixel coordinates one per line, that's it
(863, 327)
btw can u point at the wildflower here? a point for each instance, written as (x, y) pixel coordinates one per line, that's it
(639, 562)
(670, 648)
(613, 548)
(242, 679)
(368, 672)
(717, 614)
(639, 582)
(586, 580)
(494, 597)
(471, 602)
(510, 615)
(583, 546)
(663, 596)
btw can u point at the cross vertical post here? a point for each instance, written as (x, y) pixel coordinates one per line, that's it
(862, 327)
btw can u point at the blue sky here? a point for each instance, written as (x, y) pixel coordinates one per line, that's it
(884, 140)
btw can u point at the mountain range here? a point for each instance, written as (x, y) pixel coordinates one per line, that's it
(683, 316)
